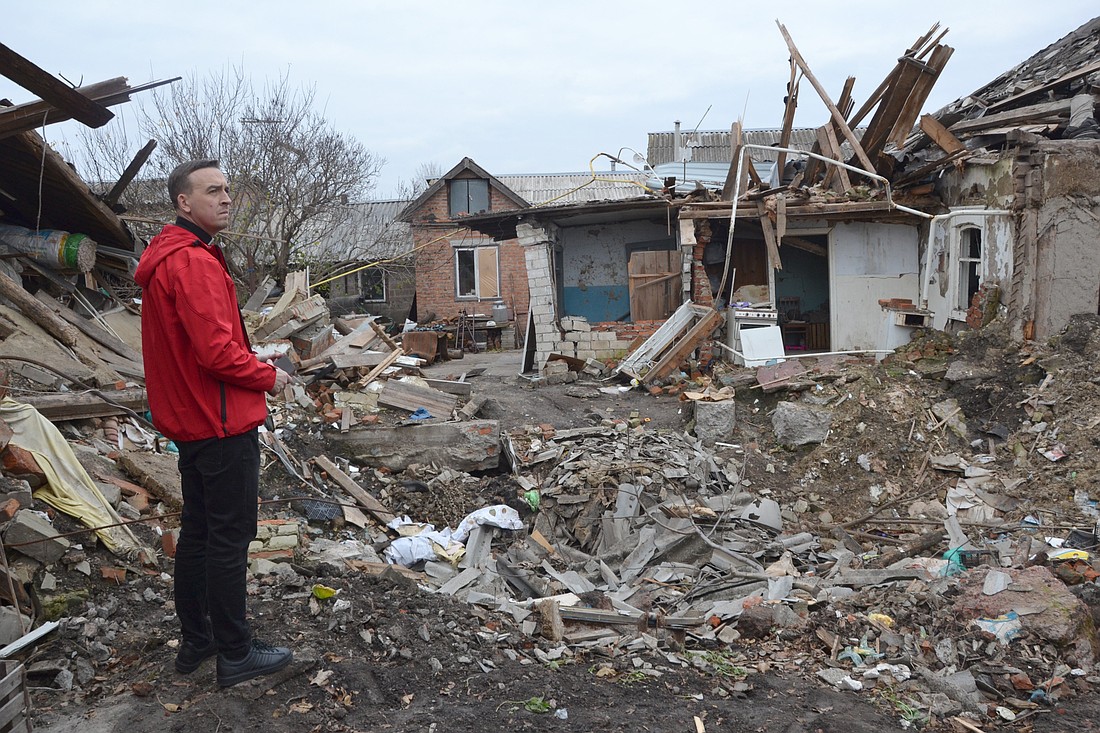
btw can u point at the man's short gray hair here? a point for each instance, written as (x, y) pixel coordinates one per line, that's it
(179, 180)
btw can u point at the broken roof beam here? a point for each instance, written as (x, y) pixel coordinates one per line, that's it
(129, 174)
(790, 104)
(53, 90)
(845, 130)
(918, 51)
(31, 115)
(918, 95)
(844, 103)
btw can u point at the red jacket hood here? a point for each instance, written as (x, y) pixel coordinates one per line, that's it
(171, 239)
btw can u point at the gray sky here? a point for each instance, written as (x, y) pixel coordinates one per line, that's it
(525, 88)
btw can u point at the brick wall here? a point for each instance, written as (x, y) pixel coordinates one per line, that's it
(435, 262)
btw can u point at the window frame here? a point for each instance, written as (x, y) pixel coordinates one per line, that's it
(962, 260)
(453, 188)
(477, 295)
(363, 274)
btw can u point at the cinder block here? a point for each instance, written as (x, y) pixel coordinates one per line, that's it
(27, 526)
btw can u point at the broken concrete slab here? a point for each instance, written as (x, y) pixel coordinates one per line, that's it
(1046, 608)
(714, 421)
(157, 472)
(45, 544)
(796, 424)
(464, 446)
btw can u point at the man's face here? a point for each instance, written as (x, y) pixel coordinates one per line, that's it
(208, 203)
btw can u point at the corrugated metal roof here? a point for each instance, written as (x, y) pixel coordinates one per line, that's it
(572, 188)
(713, 146)
(370, 231)
(710, 175)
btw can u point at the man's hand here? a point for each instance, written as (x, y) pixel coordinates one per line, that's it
(281, 380)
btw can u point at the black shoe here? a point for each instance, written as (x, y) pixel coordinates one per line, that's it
(189, 657)
(261, 659)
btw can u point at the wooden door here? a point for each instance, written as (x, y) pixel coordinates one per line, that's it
(654, 284)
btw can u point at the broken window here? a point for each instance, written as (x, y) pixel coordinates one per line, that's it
(970, 265)
(468, 196)
(476, 273)
(372, 285)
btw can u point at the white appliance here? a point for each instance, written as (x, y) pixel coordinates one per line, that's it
(742, 319)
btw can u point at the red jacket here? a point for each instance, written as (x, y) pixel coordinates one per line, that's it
(202, 378)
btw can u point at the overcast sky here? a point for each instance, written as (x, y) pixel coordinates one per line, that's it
(525, 88)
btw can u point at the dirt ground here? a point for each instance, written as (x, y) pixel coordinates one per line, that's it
(392, 657)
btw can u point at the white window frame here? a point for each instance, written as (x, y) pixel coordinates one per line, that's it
(960, 257)
(477, 295)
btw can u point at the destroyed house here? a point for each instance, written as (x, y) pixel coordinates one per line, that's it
(881, 222)
(1020, 232)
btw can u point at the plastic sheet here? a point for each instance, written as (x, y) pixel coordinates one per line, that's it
(69, 488)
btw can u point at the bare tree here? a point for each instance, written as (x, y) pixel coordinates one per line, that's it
(292, 175)
(422, 177)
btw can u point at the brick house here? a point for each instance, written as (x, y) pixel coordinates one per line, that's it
(457, 269)
(460, 268)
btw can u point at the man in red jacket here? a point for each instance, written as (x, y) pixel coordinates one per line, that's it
(206, 392)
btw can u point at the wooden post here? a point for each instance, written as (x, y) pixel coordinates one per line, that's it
(837, 116)
(37, 311)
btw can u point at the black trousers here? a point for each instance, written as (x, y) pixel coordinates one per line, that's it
(220, 481)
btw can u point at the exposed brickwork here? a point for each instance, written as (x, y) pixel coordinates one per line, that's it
(435, 261)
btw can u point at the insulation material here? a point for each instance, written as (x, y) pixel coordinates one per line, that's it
(56, 249)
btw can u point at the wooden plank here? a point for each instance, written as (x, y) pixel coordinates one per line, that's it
(128, 175)
(357, 492)
(790, 104)
(861, 155)
(940, 135)
(382, 335)
(770, 241)
(358, 359)
(345, 419)
(462, 389)
(37, 311)
(918, 95)
(685, 346)
(844, 103)
(12, 711)
(1035, 113)
(893, 101)
(73, 406)
(259, 295)
(91, 329)
(405, 396)
(32, 78)
(780, 217)
(393, 356)
(830, 148)
(913, 51)
(736, 142)
(125, 367)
